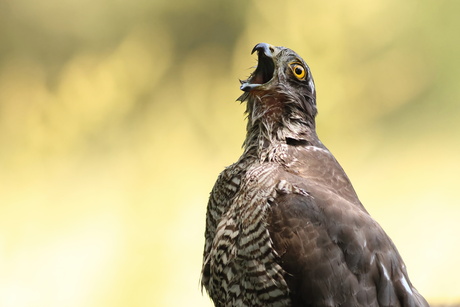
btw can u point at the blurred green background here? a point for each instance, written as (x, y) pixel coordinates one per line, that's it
(117, 116)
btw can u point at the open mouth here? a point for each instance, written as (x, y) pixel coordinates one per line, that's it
(265, 68)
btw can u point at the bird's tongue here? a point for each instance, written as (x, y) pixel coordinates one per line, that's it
(264, 71)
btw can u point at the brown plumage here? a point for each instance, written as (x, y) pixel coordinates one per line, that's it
(284, 226)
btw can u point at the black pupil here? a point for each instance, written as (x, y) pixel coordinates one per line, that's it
(298, 70)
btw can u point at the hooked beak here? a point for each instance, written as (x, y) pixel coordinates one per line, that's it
(265, 68)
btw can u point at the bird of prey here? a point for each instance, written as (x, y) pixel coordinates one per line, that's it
(284, 226)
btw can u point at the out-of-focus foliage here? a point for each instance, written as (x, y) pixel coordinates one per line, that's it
(117, 116)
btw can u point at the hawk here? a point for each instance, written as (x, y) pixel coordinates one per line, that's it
(284, 226)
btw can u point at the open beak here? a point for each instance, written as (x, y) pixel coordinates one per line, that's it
(265, 68)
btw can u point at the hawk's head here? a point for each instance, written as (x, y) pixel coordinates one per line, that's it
(281, 88)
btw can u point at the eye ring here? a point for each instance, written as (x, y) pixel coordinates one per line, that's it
(298, 71)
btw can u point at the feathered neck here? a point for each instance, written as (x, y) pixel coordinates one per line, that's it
(277, 120)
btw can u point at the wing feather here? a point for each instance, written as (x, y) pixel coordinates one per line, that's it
(335, 254)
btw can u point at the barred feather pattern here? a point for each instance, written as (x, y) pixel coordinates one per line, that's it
(240, 266)
(284, 226)
(239, 260)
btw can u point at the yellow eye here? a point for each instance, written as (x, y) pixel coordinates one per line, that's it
(299, 71)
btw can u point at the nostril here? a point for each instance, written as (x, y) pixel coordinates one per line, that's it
(267, 49)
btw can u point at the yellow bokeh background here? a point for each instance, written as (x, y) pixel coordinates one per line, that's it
(116, 118)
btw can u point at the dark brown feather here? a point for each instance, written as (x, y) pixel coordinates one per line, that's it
(284, 225)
